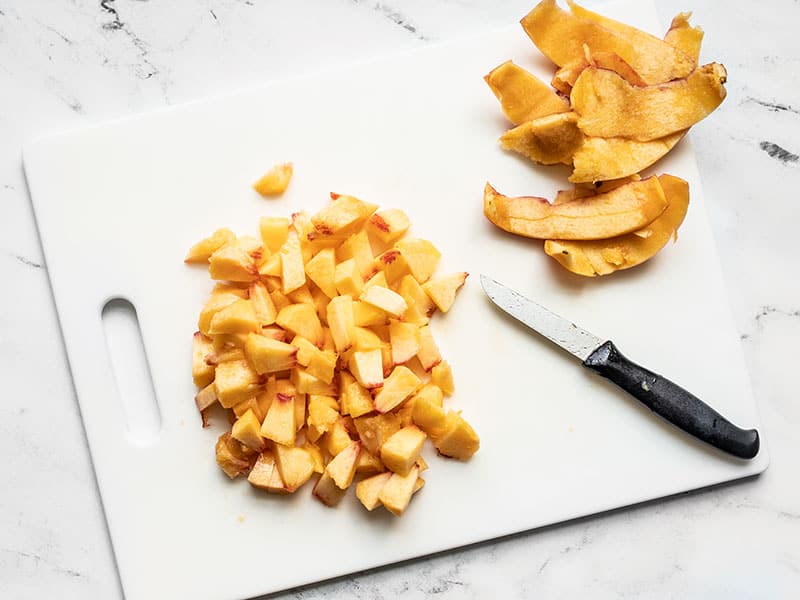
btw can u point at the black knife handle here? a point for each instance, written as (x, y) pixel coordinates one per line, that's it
(673, 403)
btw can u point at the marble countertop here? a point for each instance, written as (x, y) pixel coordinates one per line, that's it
(69, 63)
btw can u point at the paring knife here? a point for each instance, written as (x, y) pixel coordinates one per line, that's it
(659, 394)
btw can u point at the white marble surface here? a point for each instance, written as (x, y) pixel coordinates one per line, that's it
(72, 62)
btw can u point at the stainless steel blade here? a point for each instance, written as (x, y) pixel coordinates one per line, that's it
(558, 330)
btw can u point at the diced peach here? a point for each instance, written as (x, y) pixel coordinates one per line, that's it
(270, 267)
(233, 458)
(378, 278)
(458, 440)
(232, 263)
(388, 301)
(227, 346)
(357, 247)
(206, 397)
(321, 415)
(396, 493)
(343, 466)
(247, 429)
(261, 474)
(400, 452)
(392, 264)
(274, 332)
(319, 363)
(215, 303)
(327, 492)
(313, 434)
(330, 401)
(280, 300)
(266, 475)
(431, 392)
(368, 463)
(404, 412)
(202, 372)
(268, 355)
(302, 320)
(274, 231)
(276, 484)
(345, 378)
(341, 322)
(428, 354)
(251, 246)
(264, 399)
(279, 424)
(388, 225)
(365, 339)
(323, 366)
(263, 305)
(336, 439)
(302, 295)
(442, 376)
(404, 340)
(300, 402)
(367, 368)
(322, 270)
(306, 383)
(250, 404)
(376, 429)
(421, 256)
(275, 181)
(428, 416)
(238, 317)
(202, 250)
(327, 342)
(296, 466)
(239, 289)
(321, 302)
(316, 456)
(368, 490)
(236, 381)
(272, 282)
(420, 306)
(302, 226)
(315, 281)
(342, 217)
(348, 279)
(293, 273)
(442, 290)
(396, 388)
(355, 397)
(365, 314)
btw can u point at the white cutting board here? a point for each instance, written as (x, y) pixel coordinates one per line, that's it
(118, 205)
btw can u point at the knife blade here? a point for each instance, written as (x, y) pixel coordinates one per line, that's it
(665, 398)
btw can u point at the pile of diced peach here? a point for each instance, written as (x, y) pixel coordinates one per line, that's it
(316, 342)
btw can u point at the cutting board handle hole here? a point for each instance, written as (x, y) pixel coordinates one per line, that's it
(135, 388)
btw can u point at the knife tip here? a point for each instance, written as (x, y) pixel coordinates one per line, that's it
(490, 286)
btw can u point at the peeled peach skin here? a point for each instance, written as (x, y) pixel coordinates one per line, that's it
(601, 257)
(681, 35)
(522, 95)
(548, 140)
(602, 159)
(566, 76)
(622, 210)
(560, 35)
(684, 37)
(609, 106)
(583, 190)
